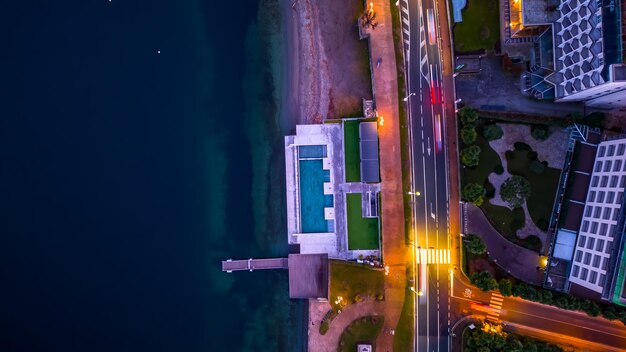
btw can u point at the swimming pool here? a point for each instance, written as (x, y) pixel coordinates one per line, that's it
(312, 151)
(312, 199)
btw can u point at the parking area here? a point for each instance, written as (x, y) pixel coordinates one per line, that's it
(495, 89)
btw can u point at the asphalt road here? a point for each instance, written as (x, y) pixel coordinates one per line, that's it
(545, 322)
(429, 181)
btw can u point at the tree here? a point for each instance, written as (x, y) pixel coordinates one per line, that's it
(515, 190)
(484, 281)
(540, 132)
(474, 193)
(475, 245)
(468, 116)
(492, 132)
(468, 135)
(368, 19)
(505, 287)
(470, 156)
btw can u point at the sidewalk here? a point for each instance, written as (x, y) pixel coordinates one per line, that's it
(385, 88)
(517, 261)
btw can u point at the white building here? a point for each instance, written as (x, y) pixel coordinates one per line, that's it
(592, 266)
(577, 50)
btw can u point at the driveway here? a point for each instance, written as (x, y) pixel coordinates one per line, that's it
(494, 89)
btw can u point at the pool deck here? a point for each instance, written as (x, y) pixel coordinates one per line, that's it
(334, 243)
(331, 135)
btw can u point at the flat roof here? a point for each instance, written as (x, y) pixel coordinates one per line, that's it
(368, 134)
(586, 158)
(579, 186)
(308, 276)
(573, 216)
(564, 245)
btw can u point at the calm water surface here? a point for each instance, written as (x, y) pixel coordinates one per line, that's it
(127, 175)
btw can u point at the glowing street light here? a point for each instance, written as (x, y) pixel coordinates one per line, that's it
(381, 120)
(414, 193)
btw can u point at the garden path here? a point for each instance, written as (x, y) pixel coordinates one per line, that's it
(329, 342)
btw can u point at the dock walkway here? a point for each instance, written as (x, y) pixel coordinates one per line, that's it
(254, 264)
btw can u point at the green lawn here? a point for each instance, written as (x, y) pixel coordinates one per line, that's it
(348, 279)
(352, 153)
(505, 220)
(489, 158)
(362, 232)
(480, 28)
(362, 330)
(543, 186)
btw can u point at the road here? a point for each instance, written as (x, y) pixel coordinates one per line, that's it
(545, 322)
(429, 183)
(439, 287)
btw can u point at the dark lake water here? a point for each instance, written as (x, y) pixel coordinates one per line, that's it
(139, 147)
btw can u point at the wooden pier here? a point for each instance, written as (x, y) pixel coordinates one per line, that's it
(254, 264)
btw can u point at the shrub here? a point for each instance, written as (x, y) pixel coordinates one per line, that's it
(492, 132)
(505, 287)
(470, 156)
(537, 167)
(531, 155)
(484, 281)
(521, 146)
(475, 245)
(468, 116)
(509, 155)
(468, 135)
(491, 191)
(515, 190)
(533, 242)
(540, 132)
(474, 193)
(498, 169)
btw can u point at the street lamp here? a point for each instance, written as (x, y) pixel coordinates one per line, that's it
(381, 120)
(414, 193)
(408, 96)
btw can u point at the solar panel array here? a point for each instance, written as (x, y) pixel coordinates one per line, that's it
(368, 134)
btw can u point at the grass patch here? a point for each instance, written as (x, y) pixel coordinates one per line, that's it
(362, 232)
(480, 28)
(543, 186)
(362, 330)
(348, 279)
(505, 220)
(403, 338)
(489, 159)
(352, 152)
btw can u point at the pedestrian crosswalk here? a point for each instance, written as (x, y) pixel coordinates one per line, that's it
(496, 304)
(433, 256)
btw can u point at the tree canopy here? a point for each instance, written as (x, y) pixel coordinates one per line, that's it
(470, 156)
(475, 245)
(474, 193)
(492, 132)
(515, 190)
